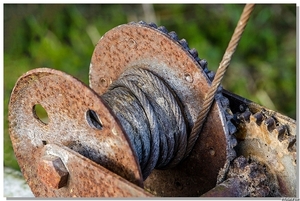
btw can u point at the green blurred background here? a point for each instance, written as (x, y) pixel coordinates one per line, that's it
(63, 36)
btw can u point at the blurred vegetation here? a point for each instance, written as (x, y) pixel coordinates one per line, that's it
(263, 68)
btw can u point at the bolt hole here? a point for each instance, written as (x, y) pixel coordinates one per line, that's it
(40, 113)
(93, 119)
(44, 142)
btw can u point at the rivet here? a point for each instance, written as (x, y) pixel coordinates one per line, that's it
(188, 77)
(212, 152)
(103, 82)
(132, 43)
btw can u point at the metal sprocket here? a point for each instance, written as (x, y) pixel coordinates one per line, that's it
(270, 138)
(161, 52)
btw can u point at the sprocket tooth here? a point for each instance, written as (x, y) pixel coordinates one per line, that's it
(231, 152)
(162, 29)
(224, 101)
(152, 24)
(258, 117)
(206, 70)
(142, 22)
(231, 127)
(211, 75)
(245, 116)
(228, 114)
(270, 123)
(203, 63)
(184, 44)
(173, 35)
(193, 52)
(220, 89)
(281, 132)
(292, 144)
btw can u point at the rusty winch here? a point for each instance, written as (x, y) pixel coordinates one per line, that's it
(128, 133)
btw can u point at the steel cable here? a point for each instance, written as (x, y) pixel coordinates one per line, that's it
(208, 100)
(152, 117)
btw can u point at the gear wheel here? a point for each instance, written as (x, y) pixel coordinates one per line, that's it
(266, 139)
(163, 53)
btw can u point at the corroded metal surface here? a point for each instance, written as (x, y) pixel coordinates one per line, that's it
(78, 119)
(265, 145)
(154, 49)
(87, 179)
(52, 172)
(270, 138)
(246, 178)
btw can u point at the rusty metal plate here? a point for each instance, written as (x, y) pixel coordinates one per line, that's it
(78, 119)
(86, 178)
(138, 44)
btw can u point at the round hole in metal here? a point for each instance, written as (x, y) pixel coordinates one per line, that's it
(93, 119)
(40, 113)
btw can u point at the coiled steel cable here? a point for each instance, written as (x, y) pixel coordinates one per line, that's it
(152, 117)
